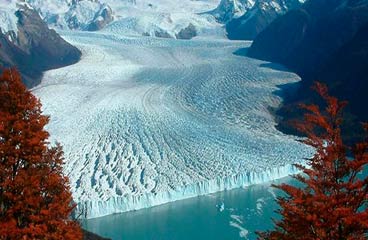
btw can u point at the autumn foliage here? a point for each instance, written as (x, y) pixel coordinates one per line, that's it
(35, 201)
(331, 204)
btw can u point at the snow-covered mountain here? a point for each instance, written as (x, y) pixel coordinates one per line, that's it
(229, 9)
(164, 18)
(244, 19)
(88, 15)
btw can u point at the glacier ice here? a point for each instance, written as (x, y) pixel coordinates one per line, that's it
(8, 18)
(145, 121)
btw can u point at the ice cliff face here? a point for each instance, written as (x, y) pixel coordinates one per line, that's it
(93, 209)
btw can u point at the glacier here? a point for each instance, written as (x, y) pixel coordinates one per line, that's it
(146, 121)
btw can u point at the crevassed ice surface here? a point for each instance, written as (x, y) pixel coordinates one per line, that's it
(145, 121)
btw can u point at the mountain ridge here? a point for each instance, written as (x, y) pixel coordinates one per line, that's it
(324, 41)
(245, 19)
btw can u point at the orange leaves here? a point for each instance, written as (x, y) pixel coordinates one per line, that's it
(35, 198)
(331, 204)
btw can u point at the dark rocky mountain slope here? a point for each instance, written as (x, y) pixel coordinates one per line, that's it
(35, 48)
(346, 72)
(325, 40)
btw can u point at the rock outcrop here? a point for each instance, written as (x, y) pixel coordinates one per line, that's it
(187, 33)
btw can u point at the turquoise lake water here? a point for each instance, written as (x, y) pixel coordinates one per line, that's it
(245, 211)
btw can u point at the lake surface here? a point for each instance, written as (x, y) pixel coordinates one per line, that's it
(245, 211)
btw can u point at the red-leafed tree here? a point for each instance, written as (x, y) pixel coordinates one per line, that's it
(331, 203)
(35, 200)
